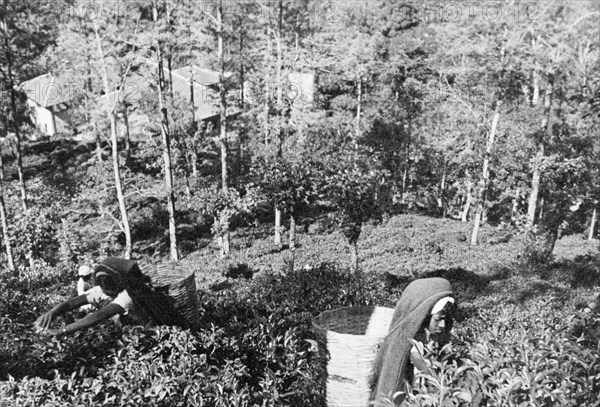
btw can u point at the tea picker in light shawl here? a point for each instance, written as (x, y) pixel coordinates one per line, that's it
(121, 290)
(423, 313)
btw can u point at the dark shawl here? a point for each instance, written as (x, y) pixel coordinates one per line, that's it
(157, 305)
(414, 307)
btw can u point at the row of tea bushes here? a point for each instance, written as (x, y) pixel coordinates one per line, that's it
(256, 348)
(541, 355)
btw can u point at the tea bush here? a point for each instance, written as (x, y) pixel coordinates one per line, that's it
(519, 340)
(510, 356)
(252, 350)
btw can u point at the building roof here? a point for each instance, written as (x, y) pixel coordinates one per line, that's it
(201, 76)
(47, 90)
(131, 91)
(205, 99)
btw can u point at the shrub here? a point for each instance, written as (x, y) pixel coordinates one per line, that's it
(515, 357)
(256, 346)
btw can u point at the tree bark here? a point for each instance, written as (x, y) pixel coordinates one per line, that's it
(242, 71)
(127, 134)
(292, 241)
(593, 223)
(13, 116)
(279, 74)
(280, 130)
(535, 94)
(277, 238)
(515, 206)
(115, 149)
(406, 169)
(223, 114)
(98, 145)
(468, 199)
(486, 174)
(441, 199)
(192, 101)
(166, 139)
(4, 218)
(537, 175)
(359, 96)
(354, 254)
(267, 80)
(197, 127)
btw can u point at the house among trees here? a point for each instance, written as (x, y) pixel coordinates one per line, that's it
(48, 99)
(51, 99)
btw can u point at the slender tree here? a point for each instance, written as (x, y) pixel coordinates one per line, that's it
(4, 219)
(166, 139)
(114, 141)
(485, 177)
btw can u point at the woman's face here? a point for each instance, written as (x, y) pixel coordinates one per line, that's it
(440, 326)
(109, 286)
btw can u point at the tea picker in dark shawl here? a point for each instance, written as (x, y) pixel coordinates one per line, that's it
(423, 313)
(121, 290)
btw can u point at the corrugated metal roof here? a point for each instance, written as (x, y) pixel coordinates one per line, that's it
(206, 100)
(47, 90)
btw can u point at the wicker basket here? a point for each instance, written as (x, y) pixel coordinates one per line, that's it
(178, 281)
(353, 335)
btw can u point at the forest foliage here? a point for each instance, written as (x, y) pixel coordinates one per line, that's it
(398, 118)
(483, 114)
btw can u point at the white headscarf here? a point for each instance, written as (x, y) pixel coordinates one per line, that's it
(441, 304)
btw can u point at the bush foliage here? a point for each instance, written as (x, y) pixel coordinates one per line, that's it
(517, 342)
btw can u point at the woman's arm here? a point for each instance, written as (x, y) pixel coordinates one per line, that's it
(44, 321)
(90, 320)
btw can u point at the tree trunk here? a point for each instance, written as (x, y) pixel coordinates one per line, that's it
(98, 146)
(406, 170)
(224, 245)
(4, 218)
(115, 149)
(277, 238)
(127, 134)
(486, 174)
(536, 177)
(267, 80)
(441, 199)
(13, 118)
(223, 113)
(535, 94)
(192, 101)
(593, 223)
(541, 211)
(292, 241)
(197, 127)
(195, 159)
(359, 96)
(515, 206)
(279, 74)
(242, 135)
(166, 139)
(552, 237)
(354, 254)
(469, 198)
(170, 69)
(242, 72)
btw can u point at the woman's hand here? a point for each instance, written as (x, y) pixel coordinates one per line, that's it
(44, 321)
(54, 332)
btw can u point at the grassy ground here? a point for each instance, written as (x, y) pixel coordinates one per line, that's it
(406, 246)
